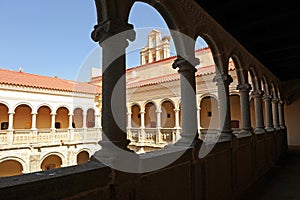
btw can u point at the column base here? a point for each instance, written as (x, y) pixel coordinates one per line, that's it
(277, 128)
(270, 129)
(259, 131)
(244, 133)
(122, 159)
(225, 135)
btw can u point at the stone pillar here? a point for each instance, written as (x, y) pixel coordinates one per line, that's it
(244, 90)
(259, 117)
(113, 35)
(34, 131)
(129, 136)
(281, 114)
(34, 165)
(10, 121)
(10, 128)
(71, 129)
(158, 126)
(33, 123)
(223, 81)
(198, 118)
(275, 113)
(268, 112)
(53, 122)
(84, 115)
(177, 124)
(187, 72)
(129, 120)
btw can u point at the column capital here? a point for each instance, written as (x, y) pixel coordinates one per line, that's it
(244, 87)
(112, 27)
(186, 64)
(223, 79)
(257, 94)
(176, 110)
(266, 97)
(275, 100)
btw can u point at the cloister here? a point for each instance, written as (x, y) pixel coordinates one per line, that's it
(249, 124)
(46, 128)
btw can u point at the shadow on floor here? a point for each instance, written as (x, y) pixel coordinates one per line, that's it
(282, 182)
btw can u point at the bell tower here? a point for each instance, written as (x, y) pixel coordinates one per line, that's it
(157, 48)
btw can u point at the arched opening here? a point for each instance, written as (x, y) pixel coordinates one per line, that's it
(209, 113)
(3, 116)
(10, 168)
(235, 111)
(62, 118)
(51, 162)
(22, 117)
(90, 118)
(78, 118)
(83, 157)
(135, 116)
(43, 118)
(150, 115)
(167, 115)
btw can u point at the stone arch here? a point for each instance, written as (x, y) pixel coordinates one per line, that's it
(62, 118)
(52, 160)
(43, 118)
(265, 85)
(160, 8)
(209, 112)
(90, 118)
(22, 117)
(78, 117)
(83, 156)
(150, 114)
(218, 58)
(241, 72)
(274, 92)
(256, 84)
(45, 104)
(23, 103)
(167, 113)
(135, 115)
(4, 118)
(19, 160)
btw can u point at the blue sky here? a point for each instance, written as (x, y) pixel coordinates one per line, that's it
(52, 37)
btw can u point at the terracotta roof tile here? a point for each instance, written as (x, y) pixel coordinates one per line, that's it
(37, 81)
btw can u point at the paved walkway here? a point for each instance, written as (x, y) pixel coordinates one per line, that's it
(282, 182)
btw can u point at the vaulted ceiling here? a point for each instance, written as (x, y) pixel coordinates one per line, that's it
(269, 30)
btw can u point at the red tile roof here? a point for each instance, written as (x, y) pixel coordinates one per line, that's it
(37, 81)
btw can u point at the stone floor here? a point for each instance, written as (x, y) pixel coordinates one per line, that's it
(282, 182)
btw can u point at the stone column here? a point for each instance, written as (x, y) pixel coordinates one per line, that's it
(113, 35)
(129, 136)
(244, 90)
(158, 125)
(268, 112)
(187, 72)
(177, 124)
(33, 123)
(53, 122)
(84, 115)
(129, 120)
(275, 113)
(71, 129)
(34, 131)
(223, 81)
(281, 114)
(10, 128)
(198, 118)
(259, 117)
